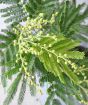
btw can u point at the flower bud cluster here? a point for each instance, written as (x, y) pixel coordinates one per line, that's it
(29, 34)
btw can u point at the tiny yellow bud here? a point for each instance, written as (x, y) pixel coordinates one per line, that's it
(53, 51)
(58, 61)
(50, 45)
(60, 55)
(16, 61)
(65, 55)
(74, 71)
(41, 14)
(44, 45)
(69, 62)
(66, 63)
(77, 73)
(56, 13)
(85, 77)
(26, 63)
(83, 66)
(50, 55)
(32, 77)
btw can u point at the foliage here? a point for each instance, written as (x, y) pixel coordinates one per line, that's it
(22, 91)
(12, 90)
(45, 46)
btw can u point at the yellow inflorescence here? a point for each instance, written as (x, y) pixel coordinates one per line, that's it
(26, 38)
(26, 35)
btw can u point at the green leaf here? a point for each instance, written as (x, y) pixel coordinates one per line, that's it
(12, 90)
(22, 91)
(50, 97)
(11, 72)
(75, 54)
(52, 66)
(3, 78)
(56, 102)
(53, 59)
(69, 73)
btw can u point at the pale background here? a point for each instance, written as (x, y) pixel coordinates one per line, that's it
(39, 99)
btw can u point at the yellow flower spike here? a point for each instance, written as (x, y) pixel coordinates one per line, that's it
(26, 73)
(74, 66)
(45, 21)
(52, 20)
(39, 26)
(40, 20)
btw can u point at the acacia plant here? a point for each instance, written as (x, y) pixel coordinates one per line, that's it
(43, 38)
